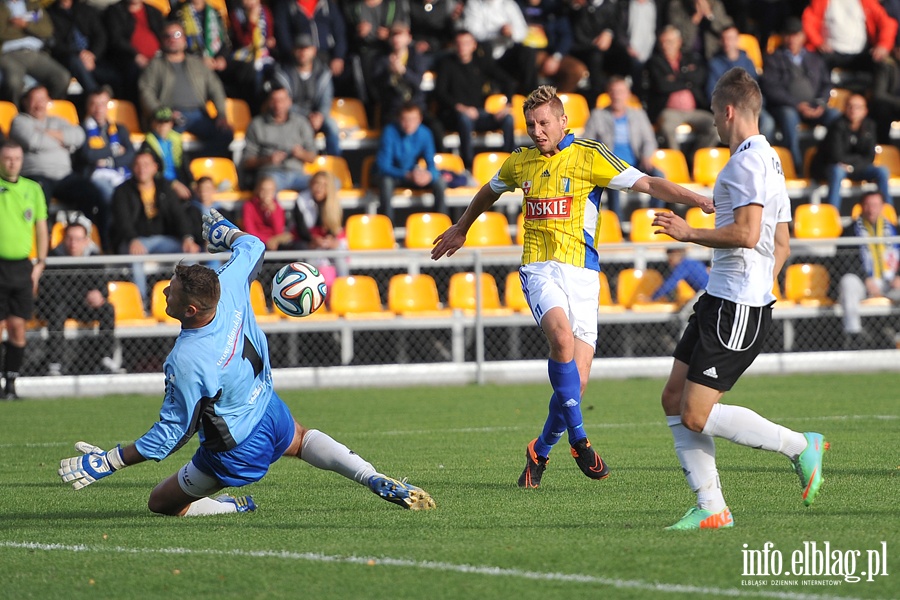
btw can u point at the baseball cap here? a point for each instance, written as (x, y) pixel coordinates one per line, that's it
(163, 113)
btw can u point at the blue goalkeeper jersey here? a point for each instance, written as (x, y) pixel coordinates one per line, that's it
(218, 377)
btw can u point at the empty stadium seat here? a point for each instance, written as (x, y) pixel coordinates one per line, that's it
(63, 109)
(336, 165)
(221, 170)
(158, 304)
(707, 164)
(126, 298)
(750, 44)
(486, 164)
(696, 218)
(357, 297)
(494, 103)
(415, 296)
(577, 110)
(605, 300)
(610, 230)
(513, 295)
(258, 303)
(520, 229)
(462, 294)
(817, 221)
(673, 165)
(642, 229)
(369, 232)
(489, 229)
(162, 6)
(789, 168)
(807, 285)
(423, 228)
(124, 112)
(603, 101)
(636, 286)
(351, 119)
(8, 112)
(887, 155)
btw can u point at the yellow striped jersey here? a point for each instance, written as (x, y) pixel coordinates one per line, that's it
(562, 197)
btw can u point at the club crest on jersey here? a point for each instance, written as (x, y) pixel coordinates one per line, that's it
(565, 185)
(526, 187)
(28, 215)
(548, 208)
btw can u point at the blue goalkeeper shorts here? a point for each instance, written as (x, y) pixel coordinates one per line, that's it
(249, 461)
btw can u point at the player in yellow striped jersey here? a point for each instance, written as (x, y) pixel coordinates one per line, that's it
(562, 178)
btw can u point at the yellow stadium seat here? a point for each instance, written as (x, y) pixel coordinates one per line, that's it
(370, 232)
(642, 229)
(707, 164)
(221, 170)
(446, 161)
(58, 233)
(162, 6)
(126, 298)
(789, 168)
(610, 230)
(158, 304)
(124, 112)
(817, 221)
(8, 112)
(606, 303)
(673, 165)
(684, 293)
(258, 303)
(357, 297)
(577, 110)
(423, 228)
(603, 101)
(415, 296)
(807, 285)
(489, 229)
(636, 286)
(888, 212)
(513, 294)
(494, 103)
(774, 43)
(462, 294)
(749, 44)
(486, 164)
(63, 109)
(698, 219)
(350, 115)
(237, 114)
(520, 229)
(887, 155)
(838, 97)
(336, 165)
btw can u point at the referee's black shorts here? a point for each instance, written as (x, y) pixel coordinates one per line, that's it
(16, 298)
(721, 340)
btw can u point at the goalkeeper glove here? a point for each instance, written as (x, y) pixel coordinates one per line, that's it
(95, 464)
(218, 231)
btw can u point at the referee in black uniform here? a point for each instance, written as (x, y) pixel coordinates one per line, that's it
(23, 222)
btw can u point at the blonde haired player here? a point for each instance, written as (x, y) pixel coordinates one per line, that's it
(562, 178)
(725, 334)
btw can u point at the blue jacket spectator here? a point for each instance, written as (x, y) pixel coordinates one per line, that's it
(693, 272)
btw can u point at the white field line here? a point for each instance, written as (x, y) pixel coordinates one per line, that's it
(659, 423)
(434, 566)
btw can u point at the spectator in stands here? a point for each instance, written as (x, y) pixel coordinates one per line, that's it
(107, 153)
(701, 23)
(628, 133)
(598, 41)
(368, 27)
(848, 152)
(23, 229)
(25, 34)
(77, 292)
(253, 31)
(309, 82)
(639, 18)
(135, 33)
(433, 23)
(499, 28)
(323, 20)
(796, 85)
(550, 34)
(149, 217)
(464, 81)
(681, 268)
(279, 144)
(202, 201)
(403, 144)
(318, 224)
(677, 79)
(182, 81)
(729, 56)
(80, 43)
(850, 34)
(167, 146)
(877, 274)
(264, 217)
(49, 143)
(885, 106)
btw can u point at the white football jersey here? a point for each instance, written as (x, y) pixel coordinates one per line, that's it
(753, 175)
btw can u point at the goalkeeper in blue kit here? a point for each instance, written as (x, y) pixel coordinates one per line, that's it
(219, 385)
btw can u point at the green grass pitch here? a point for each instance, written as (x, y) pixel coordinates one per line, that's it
(317, 535)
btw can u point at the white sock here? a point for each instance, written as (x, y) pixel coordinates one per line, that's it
(743, 426)
(323, 452)
(209, 506)
(697, 454)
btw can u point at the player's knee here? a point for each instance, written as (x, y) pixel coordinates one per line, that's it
(159, 506)
(671, 400)
(693, 421)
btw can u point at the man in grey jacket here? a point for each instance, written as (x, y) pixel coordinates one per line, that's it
(628, 133)
(24, 30)
(184, 82)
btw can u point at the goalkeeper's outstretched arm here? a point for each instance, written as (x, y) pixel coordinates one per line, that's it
(95, 463)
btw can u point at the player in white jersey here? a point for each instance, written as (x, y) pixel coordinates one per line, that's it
(751, 242)
(219, 386)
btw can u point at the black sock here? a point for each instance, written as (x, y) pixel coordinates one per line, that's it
(15, 355)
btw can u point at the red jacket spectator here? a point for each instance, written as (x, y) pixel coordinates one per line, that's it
(881, 29)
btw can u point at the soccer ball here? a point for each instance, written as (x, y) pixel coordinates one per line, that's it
(298, 289)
